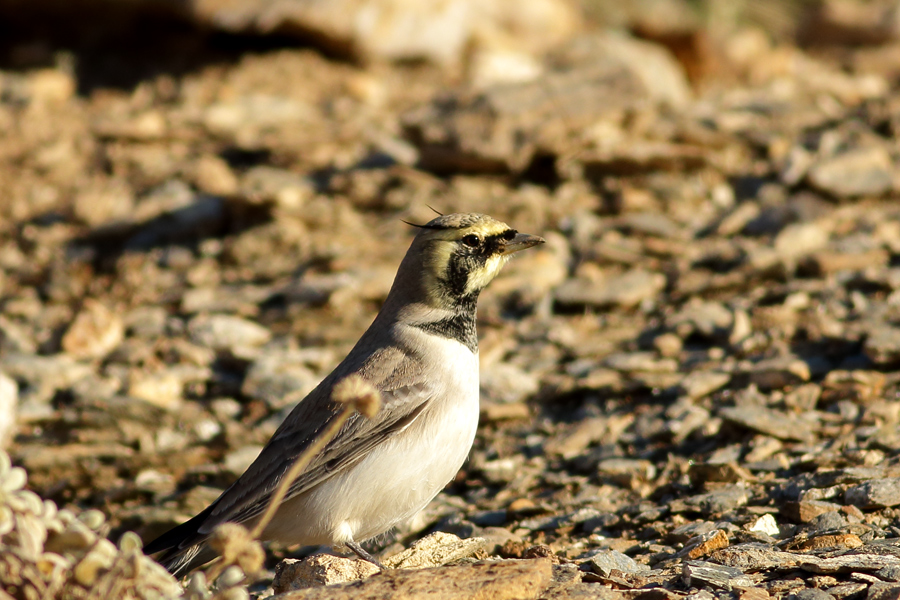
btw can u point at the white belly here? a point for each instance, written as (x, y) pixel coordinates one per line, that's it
(399, 477)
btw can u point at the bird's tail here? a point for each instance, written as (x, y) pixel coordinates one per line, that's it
(183, 547)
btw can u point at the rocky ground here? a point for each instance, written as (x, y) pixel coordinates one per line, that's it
(689, 391)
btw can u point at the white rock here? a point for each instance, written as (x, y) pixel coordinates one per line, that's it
(766, 524)
(9, 400)
(95, 332)
(227, 332)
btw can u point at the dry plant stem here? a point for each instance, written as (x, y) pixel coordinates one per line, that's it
(298, 466)
(301, 463)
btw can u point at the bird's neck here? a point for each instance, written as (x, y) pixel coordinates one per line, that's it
(456, 323)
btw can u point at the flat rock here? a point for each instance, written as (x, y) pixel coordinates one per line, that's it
(628, 289)
(394, 29)
(9, 401)
(855, 173)
(775, 423)
(754, 557)
(227, 332)
(43, 375)
(699, 573)
(604, 561)
(707, 319)
(781, 372)
(883, 591)
(702, 383)
(704, 544)
(876, 493)
(95, 332)
(280, 378)
(716, 502)
(319, 570)
(502, 580)
(435, 550)
(883, 345)
(237, 461)
(163, 389)
(507, 383)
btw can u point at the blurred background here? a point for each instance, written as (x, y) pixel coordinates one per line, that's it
(200, 212)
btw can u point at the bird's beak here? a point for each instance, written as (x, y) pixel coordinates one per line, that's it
(521, 242)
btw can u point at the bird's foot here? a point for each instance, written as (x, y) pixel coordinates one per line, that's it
(360, 552)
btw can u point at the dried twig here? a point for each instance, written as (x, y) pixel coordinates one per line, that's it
(357, 395)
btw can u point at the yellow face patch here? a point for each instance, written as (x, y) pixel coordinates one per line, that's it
(479, 278)
(453, 267)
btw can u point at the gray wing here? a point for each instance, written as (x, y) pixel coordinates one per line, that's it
(405, 393)
(248, 497)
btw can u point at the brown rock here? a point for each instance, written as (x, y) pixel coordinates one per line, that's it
(319, 570)
(502, 580)
(822, 264)
(706, 544)
(807, 510)
(858, 172)
(95, 332)
(884, 591)
(775, 423)
(876, 493)
(821, 542)
(435, 550)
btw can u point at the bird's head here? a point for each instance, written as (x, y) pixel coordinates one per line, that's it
(456, 256)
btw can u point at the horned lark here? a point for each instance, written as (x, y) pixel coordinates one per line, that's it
(421, 353)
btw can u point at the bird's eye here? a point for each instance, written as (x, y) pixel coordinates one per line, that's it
(509, 234)
(472, 240)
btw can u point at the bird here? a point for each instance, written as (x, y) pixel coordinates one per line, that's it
(421, 354)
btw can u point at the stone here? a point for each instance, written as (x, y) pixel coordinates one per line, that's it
(707, 319)
(702, 383)
(435, 550)
(877, 493)
(810, 594)
(822, 264)
(280, 378)
(800, 239)
(717, 502)
(163, 389)
(9, 402)
(766, 524)
(95, 332)
(498, 580)
(882, 345)
(699, 573)
(105, 204)
(777, 424)
(883, 591)
(704, 544)
(43, 375)
(507, 383)
(237, 461)
(602, 562)
(173, 214)
(212, 175)
(854, 173)
(779, 373)
(285, 189)
(640, 362)
(626, 290)
(807, 510)
(399, 29)
(319, 570)
(227, 332)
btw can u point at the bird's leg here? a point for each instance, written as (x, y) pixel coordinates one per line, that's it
(360, 552)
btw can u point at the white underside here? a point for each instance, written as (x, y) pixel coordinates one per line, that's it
(399, 477)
